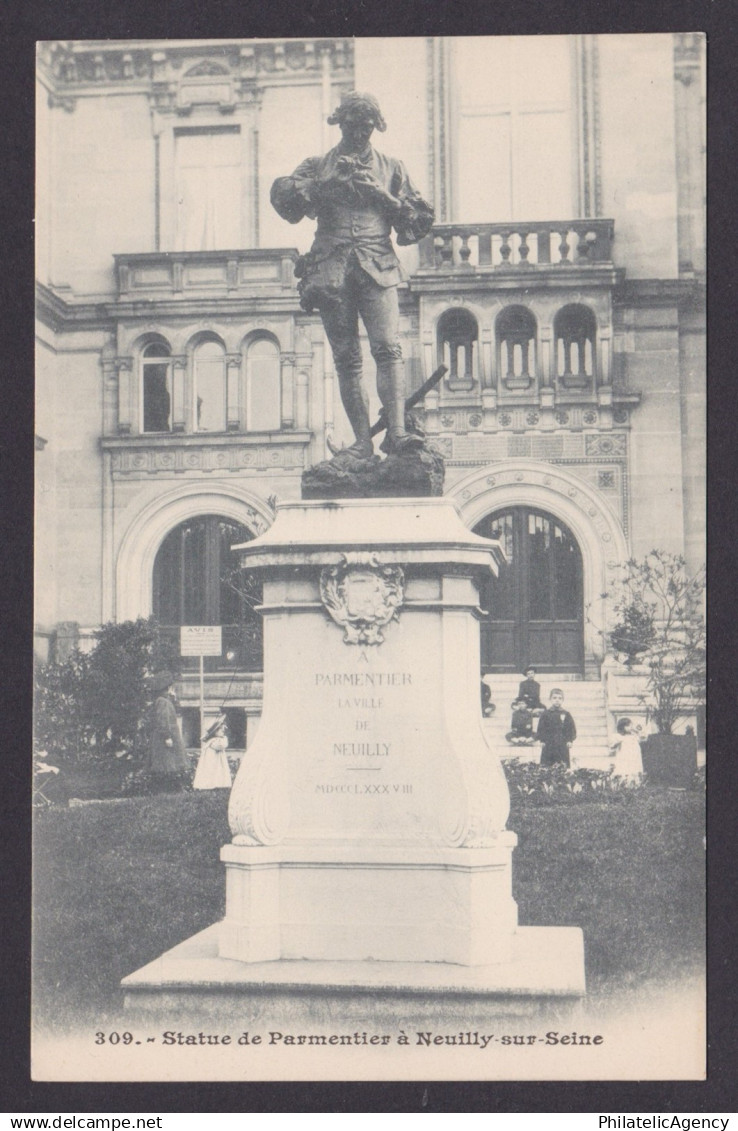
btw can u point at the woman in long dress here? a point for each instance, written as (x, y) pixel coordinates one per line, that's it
(167, 762)
(627, 751)
(213, 771)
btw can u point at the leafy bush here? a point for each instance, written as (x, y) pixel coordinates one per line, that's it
(660, 611)
(92, 708)
(634, 631)
(59, 718)
(532, 784)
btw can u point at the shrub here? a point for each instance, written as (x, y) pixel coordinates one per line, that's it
(661, 616)
(532, 784)
(92, 708)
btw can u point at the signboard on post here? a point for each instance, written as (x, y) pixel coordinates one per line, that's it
(200, 640)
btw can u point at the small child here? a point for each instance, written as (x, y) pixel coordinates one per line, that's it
(521, 726)
(213, 771)
(629, 764)
(556, 731)
(488, 707)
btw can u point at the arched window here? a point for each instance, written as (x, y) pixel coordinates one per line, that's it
(516, 347)
(457, 336)
(210, 387)
(197, 580)
(575, 329)
(263, 400)
(156, 386)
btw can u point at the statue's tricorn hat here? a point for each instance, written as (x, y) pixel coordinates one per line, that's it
(355, 98)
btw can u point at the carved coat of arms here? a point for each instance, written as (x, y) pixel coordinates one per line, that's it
(362, 596)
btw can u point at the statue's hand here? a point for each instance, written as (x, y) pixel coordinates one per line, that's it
(340, 173)
(366, 180)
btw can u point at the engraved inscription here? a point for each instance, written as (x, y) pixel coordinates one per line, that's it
(363, 679)
(372, 789)
(362, 749)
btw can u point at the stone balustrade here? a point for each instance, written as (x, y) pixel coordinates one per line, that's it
(519, 246)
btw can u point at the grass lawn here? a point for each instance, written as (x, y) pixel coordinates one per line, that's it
(116, 883)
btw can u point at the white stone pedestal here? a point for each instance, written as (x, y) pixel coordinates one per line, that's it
(352, 903)
(369, 814)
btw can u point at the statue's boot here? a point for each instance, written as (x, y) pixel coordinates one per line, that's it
(355, 403)
(399, 440)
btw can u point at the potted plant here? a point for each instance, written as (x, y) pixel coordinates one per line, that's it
(634, 630)
(661, 622)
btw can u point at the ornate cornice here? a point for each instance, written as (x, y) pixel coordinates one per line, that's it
(178, 74)
(247, 299)
(58, 314)
(202, 454)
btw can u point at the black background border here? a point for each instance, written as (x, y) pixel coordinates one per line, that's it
(21, 25)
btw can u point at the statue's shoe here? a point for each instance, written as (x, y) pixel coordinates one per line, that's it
(405, 444)
(362, 449)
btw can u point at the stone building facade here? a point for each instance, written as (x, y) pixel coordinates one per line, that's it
(182, 390)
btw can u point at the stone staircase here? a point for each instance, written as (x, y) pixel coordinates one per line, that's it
(585, 699)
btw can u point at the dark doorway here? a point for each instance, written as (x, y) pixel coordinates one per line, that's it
(535, 605)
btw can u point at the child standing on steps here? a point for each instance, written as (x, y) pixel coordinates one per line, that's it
(557, 731)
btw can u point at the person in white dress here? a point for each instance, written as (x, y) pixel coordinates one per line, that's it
(627, 751)
(213, 771)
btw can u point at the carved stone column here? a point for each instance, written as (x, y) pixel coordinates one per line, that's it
(233, 392)
(124, 366)
(179, 408)
(110, 389)
(302, 388)
(287, 379)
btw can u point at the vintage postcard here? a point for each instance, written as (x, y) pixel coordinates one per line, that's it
(369, 636)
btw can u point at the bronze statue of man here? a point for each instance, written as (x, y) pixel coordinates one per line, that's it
(358, 196)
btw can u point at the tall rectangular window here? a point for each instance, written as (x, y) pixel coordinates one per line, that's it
(515, 137)
(156, 382)
(209, 188)
(210, 387)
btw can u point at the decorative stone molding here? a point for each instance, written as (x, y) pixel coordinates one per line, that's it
(612, 446)
(149, 525)
(258, 813)
(174, 276)
(144, 457)
(362, 595)
(178, 76)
